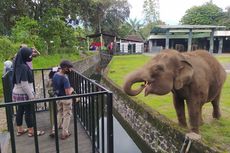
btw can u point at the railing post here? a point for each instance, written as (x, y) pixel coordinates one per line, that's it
(75, 125)
(7, 90)
(102, 125)
(11, 128)
(44, 88)
(109, 122)
(55, 125)
(34, 127)
(93, 123)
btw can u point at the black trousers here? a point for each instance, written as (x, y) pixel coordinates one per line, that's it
(27, 109)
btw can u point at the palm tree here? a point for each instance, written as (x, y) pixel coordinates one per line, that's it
(135, 27)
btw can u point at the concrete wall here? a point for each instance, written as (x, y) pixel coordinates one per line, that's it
(88, 65)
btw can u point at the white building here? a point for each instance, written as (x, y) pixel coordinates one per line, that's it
(130, 45)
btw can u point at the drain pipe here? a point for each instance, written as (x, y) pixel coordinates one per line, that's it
(186, 145)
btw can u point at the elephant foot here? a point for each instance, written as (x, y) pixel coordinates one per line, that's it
(193, 136)
(216, 115)
(201, 122)
(184, 125)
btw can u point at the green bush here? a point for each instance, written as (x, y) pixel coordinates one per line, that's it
(7, 50)
(54, 45)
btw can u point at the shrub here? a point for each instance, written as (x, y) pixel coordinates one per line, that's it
(7, 50)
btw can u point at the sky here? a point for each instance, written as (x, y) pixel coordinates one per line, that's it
(171, 11)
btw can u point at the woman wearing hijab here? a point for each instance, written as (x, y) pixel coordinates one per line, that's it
(23, 90)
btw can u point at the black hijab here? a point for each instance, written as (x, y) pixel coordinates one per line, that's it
(22, 71)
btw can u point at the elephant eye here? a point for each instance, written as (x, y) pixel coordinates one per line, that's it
(160, 68)
(154, 75)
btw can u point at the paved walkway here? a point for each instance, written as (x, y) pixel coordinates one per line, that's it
(25, 144)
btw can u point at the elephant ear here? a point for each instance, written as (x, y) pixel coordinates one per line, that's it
(184, 75)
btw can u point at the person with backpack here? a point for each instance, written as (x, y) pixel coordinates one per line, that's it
(51, 93)
(61, 87)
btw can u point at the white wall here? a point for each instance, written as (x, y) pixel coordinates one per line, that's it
(139, 47)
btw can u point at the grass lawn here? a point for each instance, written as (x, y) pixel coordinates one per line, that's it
(214, 132)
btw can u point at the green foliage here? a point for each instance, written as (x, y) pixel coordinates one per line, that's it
(115, 15)
(7, 50)
(105, 15)
(55, 31)
(68, 37)
(207, 14)
(99, 15)
(81, 42)
(147, 28)
(131, 27)
(225, 20)
(124, 29)
(11, 10)
(26, 31)
(214, 132)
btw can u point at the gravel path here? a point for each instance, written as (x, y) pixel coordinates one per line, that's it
(2, 120)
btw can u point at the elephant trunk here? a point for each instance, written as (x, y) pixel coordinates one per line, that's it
(132, 79)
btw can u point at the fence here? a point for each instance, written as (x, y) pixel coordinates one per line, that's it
(95, 103)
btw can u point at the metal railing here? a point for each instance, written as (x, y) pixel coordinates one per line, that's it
(93, 106)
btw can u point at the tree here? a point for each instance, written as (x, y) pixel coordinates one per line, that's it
(7, 49)
(147, 28)
(130, 27)
(26, 31)
(114, 16)
(135, 26)
(225, 20)
(10, 11)
(151, 11)
(207, 14)
(55, 31)
(104, 15)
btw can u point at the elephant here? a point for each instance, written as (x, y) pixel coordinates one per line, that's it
(194, 77)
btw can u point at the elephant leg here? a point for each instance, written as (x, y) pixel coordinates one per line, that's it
(216, 108)
(180, 110)
(201, 118)
(194, 115)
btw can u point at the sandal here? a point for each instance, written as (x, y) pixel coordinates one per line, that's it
(39, 133)
(63, 137)
(19, 133)
(52, 134)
